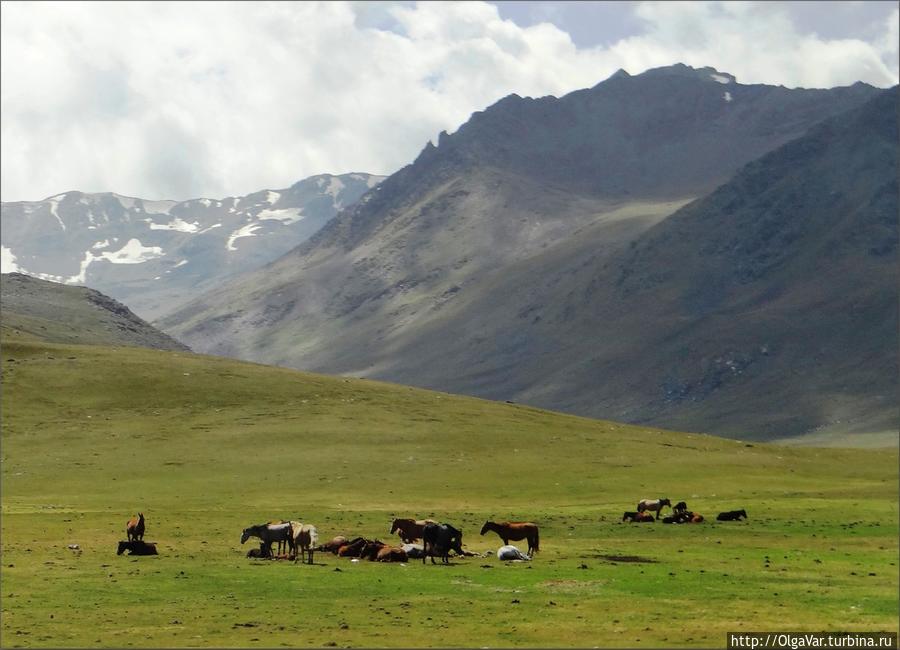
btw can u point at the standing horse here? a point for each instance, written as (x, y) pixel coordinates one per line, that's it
(515, 531)
(653, 505)
(305, 537)
(134, 529)
(270, 533)
(410, 529)
(440, 539)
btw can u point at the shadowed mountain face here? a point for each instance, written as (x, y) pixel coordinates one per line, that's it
(443, 275)
(155, 255)
(764, 310)
(56, 313)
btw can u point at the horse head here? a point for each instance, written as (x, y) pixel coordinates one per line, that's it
(122, 547)
(246, 535)
(395, 526)
(665, 502)
(487, 526)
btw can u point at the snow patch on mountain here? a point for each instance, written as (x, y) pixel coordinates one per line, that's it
(246, 231)
(8, 261)
(272, 197)
(53, 203)
(727, 96)
(176, 224)
(158, 207)
(722, 79)
(285, 216)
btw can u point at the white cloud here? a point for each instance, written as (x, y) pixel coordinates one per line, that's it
(184, 99)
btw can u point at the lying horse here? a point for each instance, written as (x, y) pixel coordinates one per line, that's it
(353, 547)
(515, 531)
(370, 549)
(638, 517)
(137, 547)
(681, 506)
(333, 545)
(134, 529)
(414, 551)
(507, 553)
(391, 554)
(732, 515)
(441, 539)
(263, 552)
(270, 533)
(410, 530)
(654, 505)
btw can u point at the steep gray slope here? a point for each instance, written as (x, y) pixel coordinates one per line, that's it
(517, 179)
(155, 255)
(766, 310)
(56, 313)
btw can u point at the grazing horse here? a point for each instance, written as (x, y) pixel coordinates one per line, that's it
(732, 515)
(515, 531)
(410, 530)
(304, 537)
(333, 545)
(681, 506)
(270, 533)
(507, 553)
(134, 529)
(441, 539)
(137, 547)
(654, 505)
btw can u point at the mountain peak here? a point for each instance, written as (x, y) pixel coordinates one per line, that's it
(706, 73)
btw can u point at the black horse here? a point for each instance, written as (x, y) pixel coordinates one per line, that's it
(732, 515)
(440, 539)
(137, 547)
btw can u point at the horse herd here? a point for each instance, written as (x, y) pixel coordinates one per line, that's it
(438, 539)
(680, 513)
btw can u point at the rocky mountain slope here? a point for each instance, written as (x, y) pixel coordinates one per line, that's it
(55, 313)
(524, 184)
(155, 255)
(767, 309)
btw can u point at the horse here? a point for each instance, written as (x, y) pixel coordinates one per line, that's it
(304, 537)
(370, 549)
(137, 547)
(654, 505)
(441, 538)
(732, 515)
(263, 552)
(134, 529)
(410, 530)
(507, 553)
(391, 554)
(353, 547)
(638, 517)
(414, 551)
(678, 517)
(333, 545)
(515, 531)
(696, 519)
(270, 533)
(681, 506)
(282, 543)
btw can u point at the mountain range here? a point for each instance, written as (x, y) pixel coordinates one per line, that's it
(647, 250)
(155, 255)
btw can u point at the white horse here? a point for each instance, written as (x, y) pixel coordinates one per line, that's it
(305, 537)
(508, 552)
(653, 505)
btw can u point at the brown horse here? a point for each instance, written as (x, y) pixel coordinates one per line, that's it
(515, 530)
(410, 529)
(134, 529)
(391, 554)
(353, 547)
(333, 545)
(137, 547)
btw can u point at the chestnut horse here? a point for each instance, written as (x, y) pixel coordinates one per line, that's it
(410, 529)
(134, 529)
(515, 531)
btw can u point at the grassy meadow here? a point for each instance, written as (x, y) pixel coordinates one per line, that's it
(206, 446)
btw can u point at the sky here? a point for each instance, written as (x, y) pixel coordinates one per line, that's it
(179, 100)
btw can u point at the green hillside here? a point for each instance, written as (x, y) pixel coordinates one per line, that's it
(206, 446)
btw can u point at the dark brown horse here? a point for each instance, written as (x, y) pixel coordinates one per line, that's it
(353, 547)
(410, 529)
(515, 530)
(137, 547)
(134, 529)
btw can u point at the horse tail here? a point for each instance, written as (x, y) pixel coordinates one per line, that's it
(537, 539)
(313, 536)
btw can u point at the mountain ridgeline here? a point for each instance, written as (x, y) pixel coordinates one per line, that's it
(531, 256)
(155, 255)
